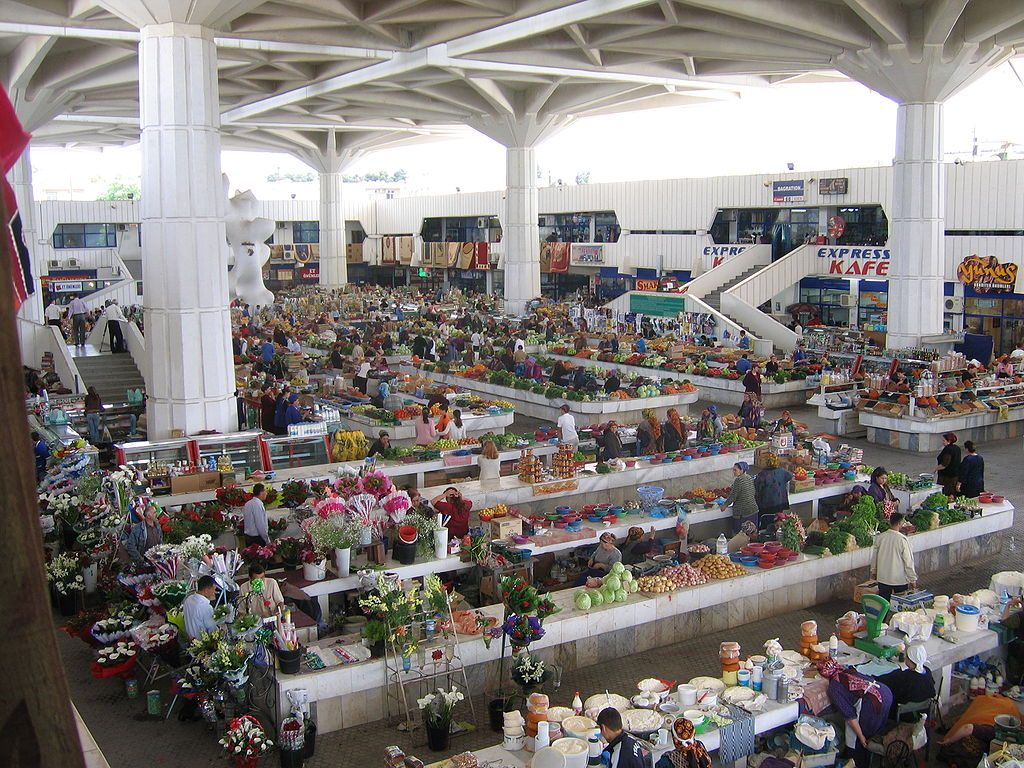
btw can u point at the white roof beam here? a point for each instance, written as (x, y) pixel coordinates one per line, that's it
(987, 18)
(24, 60)
(884, 17)
(579, 37)
(939, 19)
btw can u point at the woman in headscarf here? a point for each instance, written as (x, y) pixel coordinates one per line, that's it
(688, 752)
(674, 431)
(863, 703)
(705, 427)
(716, 422)
(637, 545)
(948, 470)
(913, 684)
(742, 498)
(648, 434)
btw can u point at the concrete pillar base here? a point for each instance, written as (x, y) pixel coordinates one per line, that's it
(521, 232)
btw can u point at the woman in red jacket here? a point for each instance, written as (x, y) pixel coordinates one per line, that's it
(456, 507)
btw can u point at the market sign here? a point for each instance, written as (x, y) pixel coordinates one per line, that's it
(791, 191)
(864, 262)
(647, 285)
(658, 305)
(66, 286)
(836, 185)
(586, 255)
(717, 254)
(310, 273)
(986, 275)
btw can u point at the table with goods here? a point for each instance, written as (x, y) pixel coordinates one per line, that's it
(715, 375)
(779, 575)
(543, 399)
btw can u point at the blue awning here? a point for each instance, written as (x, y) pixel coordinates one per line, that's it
(829, 283)
(879, 286)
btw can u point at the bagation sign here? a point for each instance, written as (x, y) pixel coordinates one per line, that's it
(986, 275)
(860, 262)
(791, 191)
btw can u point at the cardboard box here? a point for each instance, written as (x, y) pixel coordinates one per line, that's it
(866, 588)
(200, 481)
(816, 760)
(503, 527)
(797, 486)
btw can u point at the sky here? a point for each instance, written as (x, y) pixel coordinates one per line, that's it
(816, 127)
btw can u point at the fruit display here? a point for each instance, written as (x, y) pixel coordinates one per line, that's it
(529, 468)
(613, 588)
(565, 462)
(490, 513)
(349, 445)
(671, 578)
(444, 444)
(719, 567)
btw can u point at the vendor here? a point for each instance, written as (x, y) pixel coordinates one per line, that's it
(637, 545)
(604, 557)
(772, 366)
(880, 491)
(849, 500)
(771, 487)
(710, 427)
(786, 423)
(688, 752)
(673, 431)
(799, 354)
(260, 595)
(197, 610)
(489, 464)
(425, 432)
(560, 373)
(144, 535)
(863, 703)
(911, 685)
(456, 507)
(648, 434)
(750, 411)
(612, 442)
(742, 497)
(292, 414)
(612, 383)
(970, 736)
(897, 380)
(381, 444)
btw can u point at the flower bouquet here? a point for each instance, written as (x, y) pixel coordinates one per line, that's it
(170, 593)
(64, 573)
(116, 660)
(159, 641)
(522, 630)
(246, 626)
(233, 496)
(363, 509)
(530, 672)
(258, 554)
(164, 559)
(329, 507)
(437, 709)
(195, 548)
(294, 493)
(376, 483)
(396, 504)
(347, 485)
(229, 660)
(203, 647)
(80, 625)
(111, 630)
(246, 741)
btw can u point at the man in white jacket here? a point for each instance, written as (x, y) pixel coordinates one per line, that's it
(892, 563)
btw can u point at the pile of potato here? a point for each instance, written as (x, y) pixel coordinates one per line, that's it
(720, 567)
(671, 578)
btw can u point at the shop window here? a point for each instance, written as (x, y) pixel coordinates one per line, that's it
(599, 227)
(461, 229)
(85, 236)
(305, 231)
(988, 307)
(864, 225)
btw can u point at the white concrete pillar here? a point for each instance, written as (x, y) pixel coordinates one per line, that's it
(21, 182)
(917, 224)
(333, 259)
(188, 332)
(521, 233)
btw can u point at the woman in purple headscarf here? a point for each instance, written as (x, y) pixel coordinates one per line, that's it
(863, 703)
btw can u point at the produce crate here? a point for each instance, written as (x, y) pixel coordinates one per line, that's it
(796, 486)
(865, 588)
(503, 527)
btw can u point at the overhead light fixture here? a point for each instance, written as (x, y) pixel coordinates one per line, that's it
(790, 166)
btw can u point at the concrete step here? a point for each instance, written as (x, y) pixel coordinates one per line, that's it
(112, 375)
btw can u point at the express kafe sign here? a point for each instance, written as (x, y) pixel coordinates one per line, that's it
(716, 254)
(861, 262)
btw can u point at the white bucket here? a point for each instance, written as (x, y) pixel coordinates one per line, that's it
(967, 618)
(687, 695)
(576, 751)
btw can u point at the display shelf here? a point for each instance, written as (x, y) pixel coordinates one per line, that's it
(242, 447)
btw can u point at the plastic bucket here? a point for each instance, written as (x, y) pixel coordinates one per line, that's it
(967, 618)
(289, 660)
(404, 553)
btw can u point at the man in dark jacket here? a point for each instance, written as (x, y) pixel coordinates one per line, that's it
(625, 751)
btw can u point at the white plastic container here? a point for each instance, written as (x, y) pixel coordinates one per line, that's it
(967, 618)
(687, 695)
(576, 752)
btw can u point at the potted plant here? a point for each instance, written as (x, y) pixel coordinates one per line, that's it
(437, 709)
(288, 550)
(375, 632)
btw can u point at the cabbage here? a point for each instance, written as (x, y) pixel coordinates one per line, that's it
(633, 587)
(618, 568)
(582, 600)
(620, 596)
(626, 577)
(596, 598)
(613, 582)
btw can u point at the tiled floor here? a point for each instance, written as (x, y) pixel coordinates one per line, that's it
(127, 738)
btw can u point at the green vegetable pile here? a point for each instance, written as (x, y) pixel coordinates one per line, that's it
(837, 540)
(862, 523)
(790, 535)
(925, 519)
(936, 501)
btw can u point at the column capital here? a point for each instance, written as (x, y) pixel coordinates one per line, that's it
(176, 29)
(214, 14)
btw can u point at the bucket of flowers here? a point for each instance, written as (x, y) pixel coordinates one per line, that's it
(246, 741)
(437, 709)
(288, 550)
(107, 631)
(376, 483)
(64, 573)
(530, 673)
(117, 660)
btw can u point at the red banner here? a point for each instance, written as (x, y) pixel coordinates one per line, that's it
(483, 256)
(647, 285)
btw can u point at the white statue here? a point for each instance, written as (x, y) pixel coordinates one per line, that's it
(247, 235)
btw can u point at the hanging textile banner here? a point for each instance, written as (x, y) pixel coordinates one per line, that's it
(482, 256)
(387, 251)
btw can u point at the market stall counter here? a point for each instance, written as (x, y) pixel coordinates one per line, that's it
(351, 694)
(404, 432)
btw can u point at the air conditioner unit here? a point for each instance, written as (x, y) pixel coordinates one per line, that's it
(279, 224)
(72, 262)
(122, 227)
(483, 223)
(846, 300)
(953, 305)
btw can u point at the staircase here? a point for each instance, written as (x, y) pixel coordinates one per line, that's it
(112, 375)
(714, 298)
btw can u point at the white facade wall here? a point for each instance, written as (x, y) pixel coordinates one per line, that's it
(979, 196)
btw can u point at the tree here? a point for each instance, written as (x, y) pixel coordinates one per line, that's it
(293, 177)
(119, 189)
(583, 177)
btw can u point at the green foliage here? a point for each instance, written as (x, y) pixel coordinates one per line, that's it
(924, 519)
(790, 535)
(837, 540)
(119, 189)
(298, 178)
(937, 500)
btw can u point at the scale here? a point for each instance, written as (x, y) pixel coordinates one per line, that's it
(872, 640)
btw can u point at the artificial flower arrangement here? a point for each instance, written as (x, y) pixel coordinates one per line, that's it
(64, 573)
(245, 739)
(376, 483)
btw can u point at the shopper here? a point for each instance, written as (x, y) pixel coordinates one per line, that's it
(362, 375)
(260, 595)
(688, 752)
(197, 609)
(456, 507)
(41, 452)
(114, 319)
(648, 435)
(750, 411)
(93, 414)
(863, 703)
(892, 562)
(79, 315)
(879, 490)
(144, 535)
(53, 314)
(254, 517)
(624, 749)
(771, 487)
(742, 497)
(948, 460)
(567, 427)
(612, 448)
(972, 472)
(267, 352)
(913, 684)
(490, 465)
(425, 432)
(752, 381)
(455, 429)
(292, 414)
(673, 431)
